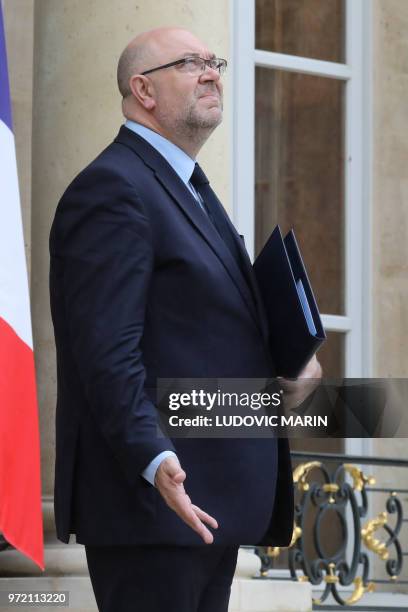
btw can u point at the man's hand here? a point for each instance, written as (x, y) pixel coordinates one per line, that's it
(169, 481)
(296, 391)
(313, 369)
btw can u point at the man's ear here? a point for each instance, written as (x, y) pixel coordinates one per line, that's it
(143, 90)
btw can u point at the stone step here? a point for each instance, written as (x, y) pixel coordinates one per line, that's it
(247, 595)
(370, 602)
(81, 597)
(66, 571)
(60, 560)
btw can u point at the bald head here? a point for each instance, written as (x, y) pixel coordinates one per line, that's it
(181, 103)
(145, 51)
(132, 61)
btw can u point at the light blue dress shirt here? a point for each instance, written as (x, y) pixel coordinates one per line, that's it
(183, 164)
(149, 473)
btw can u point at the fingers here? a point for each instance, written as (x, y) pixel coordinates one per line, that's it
(192, 519)
(169, 472)
(171, 467)
(203, 516)
(312, 370)
(188, 513)
(179, 477)
(192, 515)
(169, 480)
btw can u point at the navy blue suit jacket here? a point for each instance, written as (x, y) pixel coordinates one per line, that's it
(142, 287)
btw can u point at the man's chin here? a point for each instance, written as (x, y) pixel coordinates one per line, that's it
(212, 117)
(209, 118)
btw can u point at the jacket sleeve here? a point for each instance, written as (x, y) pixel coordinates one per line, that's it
(105, 241)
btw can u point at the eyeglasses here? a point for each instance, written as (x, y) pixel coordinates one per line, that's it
(194, 65)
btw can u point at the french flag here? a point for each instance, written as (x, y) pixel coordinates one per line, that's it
(20, 484)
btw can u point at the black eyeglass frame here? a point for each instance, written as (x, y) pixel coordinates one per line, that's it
(221, 70)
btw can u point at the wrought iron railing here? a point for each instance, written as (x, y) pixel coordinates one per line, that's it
(337, 489)
(334, 499)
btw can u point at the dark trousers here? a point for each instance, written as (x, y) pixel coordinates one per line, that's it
(162, 579)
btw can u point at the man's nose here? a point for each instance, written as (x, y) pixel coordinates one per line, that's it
(210, 74)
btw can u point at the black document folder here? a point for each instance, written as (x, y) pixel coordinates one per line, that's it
(295, 326)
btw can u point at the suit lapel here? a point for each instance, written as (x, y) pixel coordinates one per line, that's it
(249, 275)
(181, 195)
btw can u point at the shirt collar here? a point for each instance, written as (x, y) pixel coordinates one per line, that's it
(181, 163)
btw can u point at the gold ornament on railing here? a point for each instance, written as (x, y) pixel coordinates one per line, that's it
(360, 480)
(331, 577)
(275, 551)
(331, 488)
(357, 594)
(359, 590)
(301, 472)
(373, 544)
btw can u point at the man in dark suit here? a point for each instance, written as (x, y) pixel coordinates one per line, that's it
(149, 280)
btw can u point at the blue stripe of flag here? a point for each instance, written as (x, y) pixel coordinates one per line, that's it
(5, 105)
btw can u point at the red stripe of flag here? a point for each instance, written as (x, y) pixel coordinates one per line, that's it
(20, 482)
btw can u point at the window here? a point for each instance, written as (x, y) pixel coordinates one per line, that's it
(300, 128)
(301, 142)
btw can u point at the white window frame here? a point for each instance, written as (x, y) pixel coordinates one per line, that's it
(357, 153)
(356, 74)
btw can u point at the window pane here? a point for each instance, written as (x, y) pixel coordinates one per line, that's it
(299, 173)
(307, 28)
